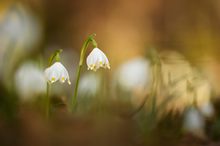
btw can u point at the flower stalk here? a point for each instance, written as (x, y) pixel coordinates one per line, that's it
(89, 40)
(48, 101)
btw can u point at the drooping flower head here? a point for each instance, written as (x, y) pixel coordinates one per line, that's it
(97, 59)
(57, 72)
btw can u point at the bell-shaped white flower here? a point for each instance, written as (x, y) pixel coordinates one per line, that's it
(97, 59)
(57, 72)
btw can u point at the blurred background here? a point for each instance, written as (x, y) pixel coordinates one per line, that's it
(163, 86)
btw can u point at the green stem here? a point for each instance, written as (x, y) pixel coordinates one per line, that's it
(156, 81)
(81, 61)
(55, 56)
(48, 101)
(74, 99)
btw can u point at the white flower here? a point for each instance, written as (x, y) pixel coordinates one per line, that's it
(194, 122)
(134, 74)
(207, 109)
(57, 72)
(85, 88)
(97, 59)
(29, 81)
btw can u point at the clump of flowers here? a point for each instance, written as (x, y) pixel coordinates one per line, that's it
(56, 71)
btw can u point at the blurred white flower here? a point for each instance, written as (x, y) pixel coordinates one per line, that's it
(97, 59)
(57, 72)
(29, 81)
(21, 33)
(207, 109)
(194, 122)
(89, 84)
(134, 74)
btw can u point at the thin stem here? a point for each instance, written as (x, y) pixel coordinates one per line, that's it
(157, 82)
(55, 56)
(81, 61)
(74, 99)
(48, 101)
